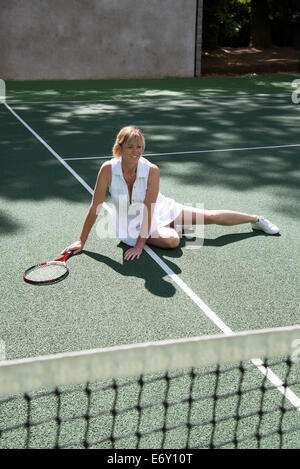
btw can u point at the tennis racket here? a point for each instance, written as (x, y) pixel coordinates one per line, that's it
(48, 272)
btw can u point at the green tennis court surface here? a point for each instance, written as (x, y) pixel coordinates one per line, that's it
(224, 143)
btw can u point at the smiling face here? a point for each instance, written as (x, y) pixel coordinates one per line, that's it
(129, 144)
(132, 150)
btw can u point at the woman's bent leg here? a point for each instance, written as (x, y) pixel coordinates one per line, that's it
(164, 237)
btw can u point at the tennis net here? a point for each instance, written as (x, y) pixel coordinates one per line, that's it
(201, 392)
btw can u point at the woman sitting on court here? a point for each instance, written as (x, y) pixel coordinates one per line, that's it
(133, 183)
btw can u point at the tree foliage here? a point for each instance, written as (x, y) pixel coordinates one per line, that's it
(250, 22)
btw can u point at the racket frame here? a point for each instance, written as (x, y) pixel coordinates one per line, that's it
(59, 261)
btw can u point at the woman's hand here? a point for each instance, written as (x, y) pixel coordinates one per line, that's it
(75, 247)
(133, 253)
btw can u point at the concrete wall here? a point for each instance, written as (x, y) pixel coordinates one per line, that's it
(77, 39)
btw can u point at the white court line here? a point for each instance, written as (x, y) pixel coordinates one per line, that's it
(273, 147)
(43, 142)
(266, 371)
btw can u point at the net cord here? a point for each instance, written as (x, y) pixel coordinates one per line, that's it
(50, 371)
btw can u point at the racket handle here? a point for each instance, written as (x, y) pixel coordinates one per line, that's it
(65, 256)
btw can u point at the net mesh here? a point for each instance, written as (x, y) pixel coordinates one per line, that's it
(46, 272)
(190, 393)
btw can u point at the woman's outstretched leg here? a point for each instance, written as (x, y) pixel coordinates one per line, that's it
(194, 216)
(228, 217)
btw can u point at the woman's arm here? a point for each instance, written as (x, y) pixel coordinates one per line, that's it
(102, 183)
(149, 206)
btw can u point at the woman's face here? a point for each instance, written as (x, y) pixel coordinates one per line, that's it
(132, 151)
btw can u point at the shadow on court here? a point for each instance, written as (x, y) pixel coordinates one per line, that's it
(231, 238)
(30, 172)
(8, 225)
(186, 243)
(150, 272)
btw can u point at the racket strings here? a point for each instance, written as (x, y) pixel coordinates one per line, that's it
(47, 272)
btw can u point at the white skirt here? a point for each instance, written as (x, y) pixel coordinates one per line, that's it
(128, 227)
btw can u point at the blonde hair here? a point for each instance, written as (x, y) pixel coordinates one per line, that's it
(126, 136)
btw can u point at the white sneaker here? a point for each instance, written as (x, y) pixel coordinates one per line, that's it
(265, 225)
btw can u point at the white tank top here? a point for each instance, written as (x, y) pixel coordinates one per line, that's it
(128, 216)
(118, 184)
